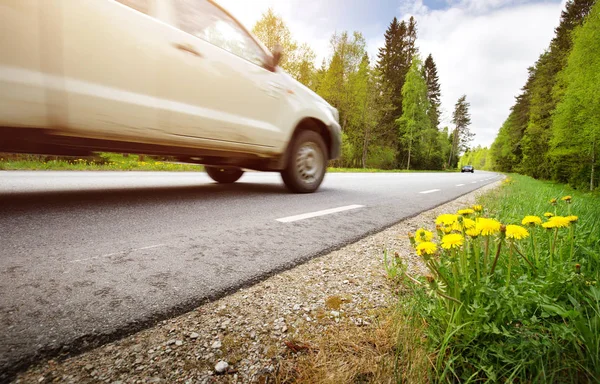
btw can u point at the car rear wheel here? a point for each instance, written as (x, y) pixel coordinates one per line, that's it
(224, 175)
(307, 163)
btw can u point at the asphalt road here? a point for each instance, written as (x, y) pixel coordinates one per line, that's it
(88, 256)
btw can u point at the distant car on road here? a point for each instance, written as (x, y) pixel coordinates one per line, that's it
(178, 78)
(467, 168)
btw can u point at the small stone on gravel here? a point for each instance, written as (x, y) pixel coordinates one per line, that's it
(194, 335)
(221, 366)
(216, 345)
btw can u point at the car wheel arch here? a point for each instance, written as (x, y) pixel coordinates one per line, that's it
(308, 124)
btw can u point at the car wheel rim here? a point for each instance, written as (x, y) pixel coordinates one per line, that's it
(309, 162)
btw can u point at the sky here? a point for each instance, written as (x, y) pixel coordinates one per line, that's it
(482, 48)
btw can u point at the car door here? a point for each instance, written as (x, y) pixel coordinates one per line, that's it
(110, 68)
(22, 82)
(221, 90)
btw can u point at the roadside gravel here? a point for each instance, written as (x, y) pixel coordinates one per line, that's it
(243, 338)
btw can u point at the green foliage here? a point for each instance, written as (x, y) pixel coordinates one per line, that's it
(434, 93)
(514, 308)
(576, 123)
(529, 141)
(297, 60)
(478, 157)
(414, 122)
(461, 136)
(369, 98)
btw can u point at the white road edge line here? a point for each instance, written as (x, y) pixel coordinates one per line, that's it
(459, 185)
(431, 191)
(473, 182)
(118, 253)
(324, 212)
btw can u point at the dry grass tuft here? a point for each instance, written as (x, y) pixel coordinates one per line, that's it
(387, 351)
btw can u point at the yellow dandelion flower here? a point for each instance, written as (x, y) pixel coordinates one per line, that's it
(446, 229)
(516, 232)
(473, 232)
(549, 225)
(477, 208)
(566, 198)
(531, 220)
(468, 223)
(572, 219)
(548, 214)
(452, 241)
(426, 247)
(487, 226)
(446, 219)
(560, 221)
(553, 201)
(422, 235)
(465, 212)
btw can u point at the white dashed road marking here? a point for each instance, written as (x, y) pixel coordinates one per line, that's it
(324, 212)
(431, 191)
(459, 185)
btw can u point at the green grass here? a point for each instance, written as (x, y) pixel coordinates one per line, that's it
(530, 310)
(100, 162)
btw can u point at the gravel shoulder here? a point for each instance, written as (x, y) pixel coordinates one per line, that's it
(246, 336)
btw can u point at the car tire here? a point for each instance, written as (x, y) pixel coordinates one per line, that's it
(306, 163)
(473, 171)
(224, 175)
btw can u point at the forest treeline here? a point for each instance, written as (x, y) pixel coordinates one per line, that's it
(389, 109)
(553, 128)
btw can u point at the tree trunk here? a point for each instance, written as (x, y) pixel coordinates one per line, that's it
(454, 146)
(365, 147)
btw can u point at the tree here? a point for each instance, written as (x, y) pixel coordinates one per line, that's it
(304, 67)
(461, 135)
(415, 104)
(433, 91)
(272, 31)
(394, 60)
(506, 152)
(576, 121)
(298, 61)
(537, 136)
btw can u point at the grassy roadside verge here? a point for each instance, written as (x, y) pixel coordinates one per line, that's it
(101, 162)
(512, 293)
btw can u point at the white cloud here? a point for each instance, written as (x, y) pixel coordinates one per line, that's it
(482, 48)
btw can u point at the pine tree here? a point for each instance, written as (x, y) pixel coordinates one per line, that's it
(506, 150)
(433, 91)
(394, 60)
(461, 135)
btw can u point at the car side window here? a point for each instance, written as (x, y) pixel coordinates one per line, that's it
(208, 22)
(139, 5)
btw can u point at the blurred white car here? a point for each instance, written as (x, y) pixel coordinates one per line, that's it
(177, 78)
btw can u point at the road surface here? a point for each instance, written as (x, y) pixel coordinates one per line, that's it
(88, 256)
